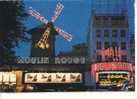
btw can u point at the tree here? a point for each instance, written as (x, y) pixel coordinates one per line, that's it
(12, 29)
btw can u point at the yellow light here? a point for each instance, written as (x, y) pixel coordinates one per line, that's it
(42, 46)
(47, 45)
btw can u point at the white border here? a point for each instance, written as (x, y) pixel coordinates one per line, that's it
(79, 95)
(71, 95)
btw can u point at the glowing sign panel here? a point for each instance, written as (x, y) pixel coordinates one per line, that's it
(7, 78)
(53, 78)
(112, 78)
(111, 66)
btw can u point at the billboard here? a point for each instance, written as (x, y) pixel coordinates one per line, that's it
(111, 66)
(53, 78)
(109, 78)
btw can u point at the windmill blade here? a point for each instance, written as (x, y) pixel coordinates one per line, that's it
(57, 11)
(42, 43)
(65, 35)
(37, 15)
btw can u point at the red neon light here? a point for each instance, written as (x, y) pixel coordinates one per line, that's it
(111, 66)
(116, 51)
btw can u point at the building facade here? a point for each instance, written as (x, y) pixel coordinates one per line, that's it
(132, 48)
(109, 40)
(109, 30)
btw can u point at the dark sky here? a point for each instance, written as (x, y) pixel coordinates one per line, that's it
(73, 19)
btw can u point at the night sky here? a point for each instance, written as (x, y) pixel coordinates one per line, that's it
(73, 19)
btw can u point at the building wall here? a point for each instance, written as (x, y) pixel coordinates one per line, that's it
(109, 35)
(132, 48)
(109, 6)
(108, 15)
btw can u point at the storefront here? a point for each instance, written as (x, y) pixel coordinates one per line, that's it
(111, 73)
(52, 77)
(43, 77)
(7, 81)
(54, 80)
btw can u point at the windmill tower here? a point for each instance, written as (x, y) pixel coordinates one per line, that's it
(43, 37)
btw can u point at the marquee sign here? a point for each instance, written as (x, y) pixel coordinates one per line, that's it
(53, 78)
(7, 78)
(111, 78)
(111, 66)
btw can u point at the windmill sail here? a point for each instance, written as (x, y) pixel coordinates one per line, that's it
(64, 34)
(37, 15)
(57, 11)
(42, 43)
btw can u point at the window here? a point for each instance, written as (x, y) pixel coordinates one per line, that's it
(106, 58)
(105, 20)
(99, 58)
(98, 33)
(118, 20)
(98, 45)
(97, 18)
(114, 44)
(106, 33)
(114, 33)
(124, 58)
(132, 51)
(132, 41)
(123, 33)
(123, 45)
(106, 45)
